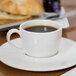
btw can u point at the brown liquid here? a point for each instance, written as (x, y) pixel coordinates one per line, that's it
(41, 28)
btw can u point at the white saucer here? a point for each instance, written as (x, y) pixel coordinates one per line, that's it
(17, 59)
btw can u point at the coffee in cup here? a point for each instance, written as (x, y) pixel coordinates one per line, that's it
(41, 28)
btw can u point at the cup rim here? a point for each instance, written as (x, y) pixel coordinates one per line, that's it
(60, 28)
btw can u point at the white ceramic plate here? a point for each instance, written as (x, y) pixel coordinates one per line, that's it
(15, 58)
(64, 22)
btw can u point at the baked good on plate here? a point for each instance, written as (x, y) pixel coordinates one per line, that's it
(6, 18)
(19, 10)
(21, 7)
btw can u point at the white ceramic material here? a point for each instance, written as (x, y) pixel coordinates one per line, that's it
(64, 22)
(16, 58)
(38, 44)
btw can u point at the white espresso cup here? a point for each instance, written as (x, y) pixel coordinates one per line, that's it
(38, 44)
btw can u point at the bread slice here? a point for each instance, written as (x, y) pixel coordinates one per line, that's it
(6, 18)
(21, 7)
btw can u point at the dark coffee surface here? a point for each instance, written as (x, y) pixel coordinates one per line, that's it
(41, 28)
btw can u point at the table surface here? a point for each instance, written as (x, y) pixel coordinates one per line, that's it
(69, 33)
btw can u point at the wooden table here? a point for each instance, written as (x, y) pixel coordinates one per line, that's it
(69, 33)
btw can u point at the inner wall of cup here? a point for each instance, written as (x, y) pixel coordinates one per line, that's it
(40, 22)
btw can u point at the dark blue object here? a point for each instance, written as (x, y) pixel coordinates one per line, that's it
(52, 6)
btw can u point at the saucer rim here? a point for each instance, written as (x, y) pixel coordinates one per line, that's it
(41, 70)
(54, 69)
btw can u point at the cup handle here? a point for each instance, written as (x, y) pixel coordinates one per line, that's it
(10, 32)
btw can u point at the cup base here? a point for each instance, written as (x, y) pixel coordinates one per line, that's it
(43, 57)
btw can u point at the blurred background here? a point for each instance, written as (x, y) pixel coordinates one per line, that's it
(69, 5)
